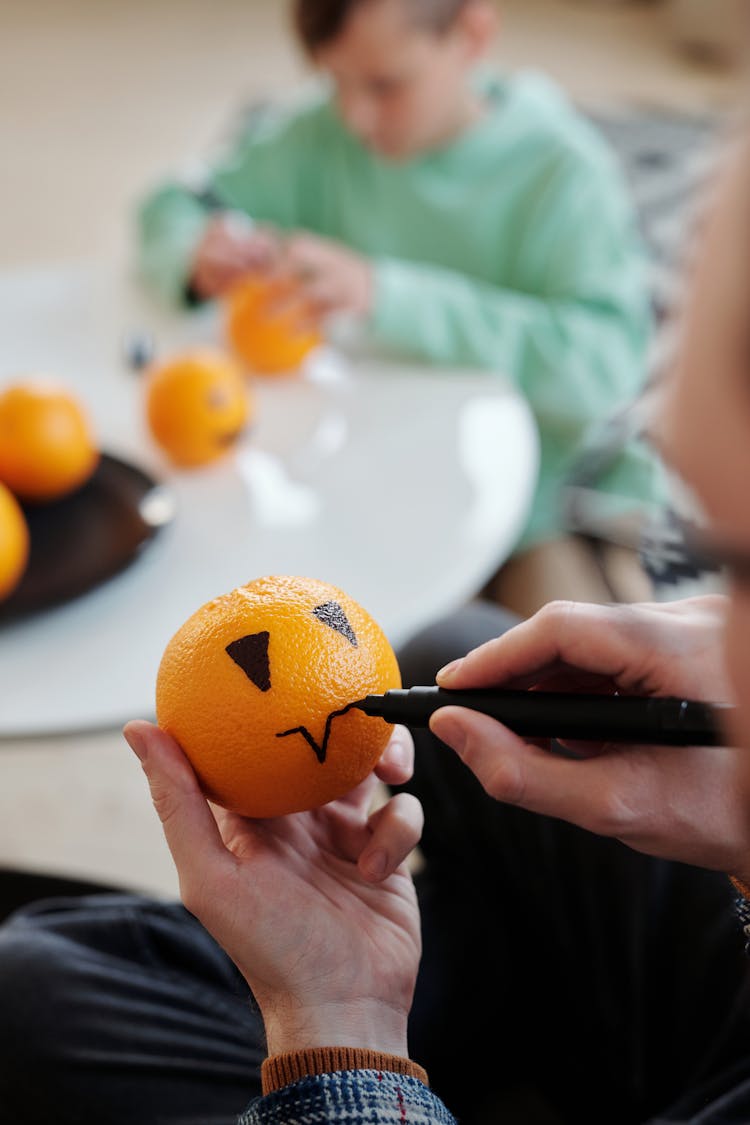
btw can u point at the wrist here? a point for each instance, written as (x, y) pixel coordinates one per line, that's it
(278, 1071)
(364, 1024)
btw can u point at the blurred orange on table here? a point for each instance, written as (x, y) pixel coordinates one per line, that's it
(197, 405)
(268, 341)
(256, 687)
(47, 447)
(14, 542)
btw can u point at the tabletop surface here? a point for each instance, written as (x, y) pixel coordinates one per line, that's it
(406, 486)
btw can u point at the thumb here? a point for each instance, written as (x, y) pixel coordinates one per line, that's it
(489, 749)
(190, 829)
(520, 773)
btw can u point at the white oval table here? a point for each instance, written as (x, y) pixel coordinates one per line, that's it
(406, 486)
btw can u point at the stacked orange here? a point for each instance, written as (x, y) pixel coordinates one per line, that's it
(47, 450)
(14, 542)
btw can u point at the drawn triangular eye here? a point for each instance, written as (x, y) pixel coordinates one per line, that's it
(251, 654)
(332, 615)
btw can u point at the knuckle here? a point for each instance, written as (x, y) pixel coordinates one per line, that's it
(506, 782)
(557, 614)
(413, 812)
(405, 812)
(402, 736)
(614, 816)
(165, 802)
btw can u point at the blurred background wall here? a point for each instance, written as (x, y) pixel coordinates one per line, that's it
(98, 98)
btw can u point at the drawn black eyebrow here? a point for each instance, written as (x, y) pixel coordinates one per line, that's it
(319, 751)
(332, 615)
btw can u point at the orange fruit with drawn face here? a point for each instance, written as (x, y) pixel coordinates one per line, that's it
(14, 542)
(255, 687)
(47, 448)
(197, 405)
(268, 342)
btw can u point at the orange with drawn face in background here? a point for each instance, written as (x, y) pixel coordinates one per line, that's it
(197, 405)
(251, 687)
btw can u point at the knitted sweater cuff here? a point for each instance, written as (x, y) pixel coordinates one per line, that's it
(742, 889)
(282, 1070)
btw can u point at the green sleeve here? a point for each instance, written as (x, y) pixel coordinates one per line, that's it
(170, 224)
(260, 176)
(573, 336)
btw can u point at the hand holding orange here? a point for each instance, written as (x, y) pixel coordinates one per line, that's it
(255, 687)
(14, 542)
(197, 405)
(269, 340)
(47, 448)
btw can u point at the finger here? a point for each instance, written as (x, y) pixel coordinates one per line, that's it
(191, 832)
(573, 680)
(396, 829)
(287, 301)
(562, 635)
(303, 252)
(512, 771)
(360, 798)
(236, 225)
(216, 245)
(258, 258)
(397, 763)
(228, 259)
(295, 264)
(205, 281)
(395, 767)
(211, 279)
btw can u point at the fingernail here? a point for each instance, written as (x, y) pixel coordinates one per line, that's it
(137, 743)
(449, 670)
(399, 751)
(448, 730)
(376, 864)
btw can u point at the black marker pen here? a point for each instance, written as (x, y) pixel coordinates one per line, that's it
(658, 721)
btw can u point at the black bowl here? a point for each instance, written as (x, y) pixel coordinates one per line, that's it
(85, 538)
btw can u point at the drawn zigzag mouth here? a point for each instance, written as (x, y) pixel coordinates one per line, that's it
(319, 750)
(229, 437)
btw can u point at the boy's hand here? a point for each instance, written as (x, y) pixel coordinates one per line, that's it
(231, 247)
(683, 803)
(327, 277)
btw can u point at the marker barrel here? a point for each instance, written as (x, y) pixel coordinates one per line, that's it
(601, 718)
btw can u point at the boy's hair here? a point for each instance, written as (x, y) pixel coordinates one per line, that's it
(320, 21)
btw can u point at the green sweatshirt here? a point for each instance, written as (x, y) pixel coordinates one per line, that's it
(512, 249)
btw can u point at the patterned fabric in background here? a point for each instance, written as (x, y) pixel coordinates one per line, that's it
(669, 160)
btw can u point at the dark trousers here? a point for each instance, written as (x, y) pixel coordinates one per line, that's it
(565, 979)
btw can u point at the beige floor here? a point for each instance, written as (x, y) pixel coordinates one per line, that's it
(97, 99)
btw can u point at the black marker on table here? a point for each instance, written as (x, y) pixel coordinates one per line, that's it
(657, 721)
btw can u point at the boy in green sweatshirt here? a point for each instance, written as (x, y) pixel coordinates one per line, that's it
(462, 220)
